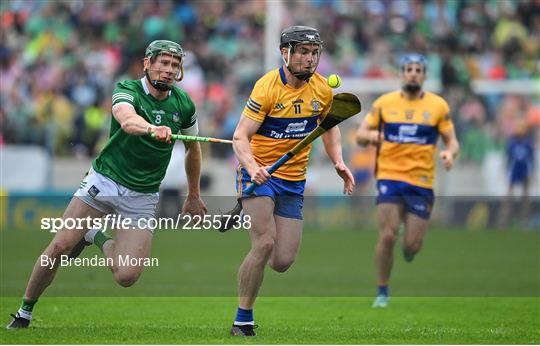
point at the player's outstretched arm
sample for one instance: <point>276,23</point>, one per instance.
<point>451,148</point>
<point>366,135</point>
<point>332,145</point>
<point>134,124</point>
<point>245,129</point>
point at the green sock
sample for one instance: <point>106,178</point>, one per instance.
<point>28,305</point>
<point>100,238</point>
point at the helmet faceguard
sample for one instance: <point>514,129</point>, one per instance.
<point>408,59</point>
<point>295,35</point>
<point>160,48</point>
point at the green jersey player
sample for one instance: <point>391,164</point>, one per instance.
<point>124,179</point>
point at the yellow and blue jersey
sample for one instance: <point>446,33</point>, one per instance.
<point>411,129</point>
<point>287,115</point>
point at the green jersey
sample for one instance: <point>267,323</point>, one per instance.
<point>140,162</point>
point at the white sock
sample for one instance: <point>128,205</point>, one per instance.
<point>236,323</point>
<point>89,236</point>
<point>25,314</point>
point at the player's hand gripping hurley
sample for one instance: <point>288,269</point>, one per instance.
<point>344,106</point>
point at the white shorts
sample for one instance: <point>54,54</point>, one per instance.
<point>109,197</point>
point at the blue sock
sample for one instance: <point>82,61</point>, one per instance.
<point>382,290</point>
<point>244,316</point>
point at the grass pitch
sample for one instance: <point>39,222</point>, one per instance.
<point>282,320</point>
<point>463,288</point>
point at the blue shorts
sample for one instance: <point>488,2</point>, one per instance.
<point>288,195</point>
<point>416,200</point>
<point>519,174</point>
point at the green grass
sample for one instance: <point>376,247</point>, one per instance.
<point>464,287</point>
<point>282,321</point>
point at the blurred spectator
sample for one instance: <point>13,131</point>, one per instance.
<point>59,60</point>
<point>520,168</point>
<point>476,140</point>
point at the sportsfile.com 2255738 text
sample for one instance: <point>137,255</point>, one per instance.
<point>113,221</point>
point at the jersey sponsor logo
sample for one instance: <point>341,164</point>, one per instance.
<point>279,106</point>
<point>176,117</point>
<point>297,101</point>
<point>410,133</point>
<point>296,127</point>
<point>407,130</point>
<point>426,115</point>
<point>281,135</point>
<point>407,134</point>
<point>284,128</point>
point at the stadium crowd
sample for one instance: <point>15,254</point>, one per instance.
<point>59,60</point>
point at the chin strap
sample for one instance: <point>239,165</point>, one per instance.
<point>300,75</point>
<point>158,84</point>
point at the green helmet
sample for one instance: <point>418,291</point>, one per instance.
<point>163,46</point>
